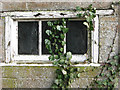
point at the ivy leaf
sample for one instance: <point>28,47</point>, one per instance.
<point>48,32</point>
<point>51,58</point>
<point>61,61</point>
<point>65,66</point>
<point>116,57</point>
<point>66,61</point>
<point>109,68</point>
<point>110,78</point>
<point>63,22</point>
<point>54,86</point>
<point>105,83</point>
<point>78,75</point>
<point>113,63</point>
<point>118,68</point>
<point>61,49</point>
<point>64,72</point>
<point>79,15</point>
<point>59,53</point>
<point>65,30</point>
<point>63,43</point>
<point>62,36</point>
<point>97,76</point>
<point>71,75</point>
<point>78,69</point>
<point>58,27</point>
<point>69,55</point>
<point>108,75</point>
<point>57,36</point>
<point>85,23</point>
<point>55,63</point>
<point>56,56</point>
<point>91,26</point>
<point>71,70</point>
<point>47,41</point>
<point>102,74</point>
<point>59,76</point>
<point>53,35</point>
<point>57,81</point>
<point>78,8</point>
<point>56,46</point>
<point>50,23</point>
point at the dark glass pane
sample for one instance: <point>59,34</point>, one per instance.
<point>28,38</point>
<point>76,37</point>
<point>44,36</point>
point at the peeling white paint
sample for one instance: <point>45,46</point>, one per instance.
<point>11,29</point>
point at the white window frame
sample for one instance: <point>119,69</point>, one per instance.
<point>11,34</point>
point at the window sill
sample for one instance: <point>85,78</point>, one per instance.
<point>78,65</point>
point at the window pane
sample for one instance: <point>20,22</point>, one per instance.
<point>28,38</point>
<point>76,37</point>
<point>44,36</point>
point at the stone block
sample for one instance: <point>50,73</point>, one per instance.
<point>93,73</point>
<point>28,72</point>
<point>65,5</point>
<point>79,83</point>
<point>34,82</point>
<point>108,33</point>
<point>109,18</point>
<point>10,6</point>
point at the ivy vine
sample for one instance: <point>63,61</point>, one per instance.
<point>108,77</point>
<point>66,72</point>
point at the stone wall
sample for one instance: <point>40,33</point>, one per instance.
<point>42,77</point>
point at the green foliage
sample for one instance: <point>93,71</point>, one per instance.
<point>55,45</point>
<point>110,72</point>
<point>89,15</point>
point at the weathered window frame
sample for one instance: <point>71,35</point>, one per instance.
<point>11,37</point>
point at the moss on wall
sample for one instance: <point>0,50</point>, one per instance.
<point>36,76</point>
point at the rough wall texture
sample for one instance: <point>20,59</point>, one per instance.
<point>42,77</point>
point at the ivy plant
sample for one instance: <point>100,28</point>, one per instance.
<point>66,72</point>
<point>108,77</point>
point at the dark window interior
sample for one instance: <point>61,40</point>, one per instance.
<point>28,38</point>
<point>76,37</point>
<point>44,36</point>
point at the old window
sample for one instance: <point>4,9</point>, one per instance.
<point>25,35</point>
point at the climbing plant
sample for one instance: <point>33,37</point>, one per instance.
<point>108,77</point>
<point>65,72</point>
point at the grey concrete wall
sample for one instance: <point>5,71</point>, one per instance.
<point>42,77</point>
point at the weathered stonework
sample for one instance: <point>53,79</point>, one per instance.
<point>11,6</point>
<point>43,77</point>
<point>108,37</point>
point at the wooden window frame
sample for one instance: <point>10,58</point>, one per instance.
<point>11,34</point>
